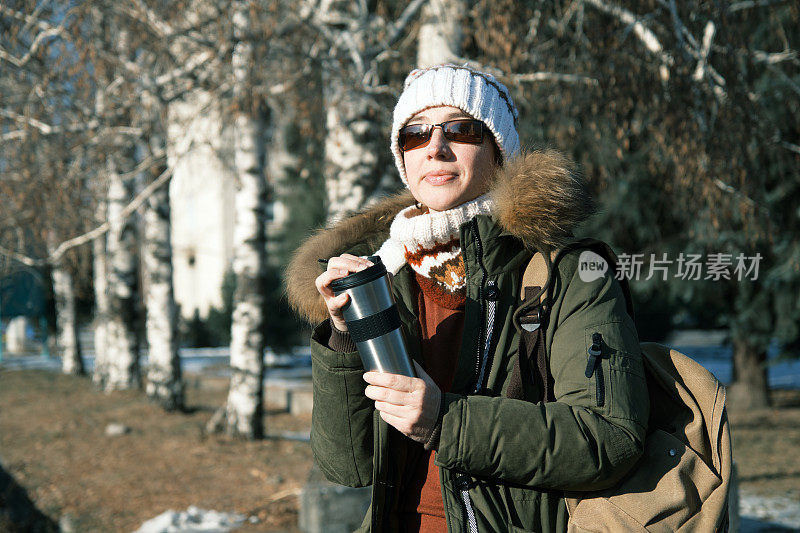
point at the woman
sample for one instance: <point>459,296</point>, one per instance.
<point>461,448</point>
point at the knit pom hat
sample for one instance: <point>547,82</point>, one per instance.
<point>476,93</point>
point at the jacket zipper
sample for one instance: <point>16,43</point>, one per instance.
<point>488,293</point>
<point>463,483</point>
<point>491,296</point>
<point>595,366</point>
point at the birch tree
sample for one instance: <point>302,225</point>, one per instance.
<point>121,342</point>
<point>441,34</point>
<point>100,321</point>
<point>66,321</point>
<point>164,379</point>
<point>243,413</point>
<point>355,171</point>
<point>101,100</point>
<point>42,188</point>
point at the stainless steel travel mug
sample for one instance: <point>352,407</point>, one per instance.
<point>373,320</point>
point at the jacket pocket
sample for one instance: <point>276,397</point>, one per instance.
<point>615,371</point>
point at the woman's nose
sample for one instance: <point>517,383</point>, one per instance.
<point>438,146</point>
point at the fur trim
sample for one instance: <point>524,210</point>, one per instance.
<point>369,226</point>
<point>539,198</point>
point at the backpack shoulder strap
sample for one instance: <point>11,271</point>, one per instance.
<point>535,297</point>
<point>535,276</point>
<point>531,363</point>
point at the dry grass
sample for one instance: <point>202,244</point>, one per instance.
<point>53,442</point>
<point>766,446</point>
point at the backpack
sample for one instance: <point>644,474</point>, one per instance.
<point>681,482</point>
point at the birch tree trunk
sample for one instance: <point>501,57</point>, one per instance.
<point>66,321</point>
<point>440,35</point>
<point>357,163</point>
<point>99,262</point>
<point>99,245</point>
<point>164,380</point>
<point>353,173</point>
<point>122,350</point>
<point>244,411</point>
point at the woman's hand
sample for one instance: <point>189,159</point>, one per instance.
<point>410,405</point>
<point>338,267</point>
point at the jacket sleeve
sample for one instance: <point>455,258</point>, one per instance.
<point>592,434</point>
<point>341,420</point>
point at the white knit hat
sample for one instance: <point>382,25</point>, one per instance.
<point>476,93</point>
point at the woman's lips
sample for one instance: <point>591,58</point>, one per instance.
<point>439,178</point>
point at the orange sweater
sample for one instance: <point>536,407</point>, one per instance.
<point>422,508</point>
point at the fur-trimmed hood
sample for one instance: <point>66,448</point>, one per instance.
<point>539,198</point>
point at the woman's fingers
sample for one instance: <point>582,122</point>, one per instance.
<point>400,411</point>
<point>338,267</point>
<point>336,303</point>
<point>399,423</point>
<point>349,262</point>
<point>386,395</point>
<point>324,280</point>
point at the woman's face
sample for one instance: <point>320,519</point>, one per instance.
<point>444,174</point>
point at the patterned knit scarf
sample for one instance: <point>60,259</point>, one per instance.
<point>429,243</point>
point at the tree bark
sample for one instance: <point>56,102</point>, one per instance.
<point>244,411</point>
<point>66,322</point>
<point>441,32</point>
<point>353,173</point>
<point>749,389</point>
<point>100,275</point>
<point>164,380</point>
<point>122,349</point>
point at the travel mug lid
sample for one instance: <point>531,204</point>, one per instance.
<point>376,271</point>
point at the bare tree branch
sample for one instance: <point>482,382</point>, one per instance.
<point>29,20</point>
<point>397,29</point>
<point>732,190</point>
<point>46,129</point>
<point>553,76</point>
<point>703,67</point>
<point>749,4</point>
<point>24,259</point>
<point>129,209</point>
<point>775,57</point>
<point>645,35</point>
<point>145,15</point>
<point>790,146</point>
<point>191,64</point>
<point>20,62</point>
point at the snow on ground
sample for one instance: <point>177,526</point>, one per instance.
<point>768,514</point>
<point>192,520</point>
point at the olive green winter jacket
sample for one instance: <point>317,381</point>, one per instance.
<point>504,463</point>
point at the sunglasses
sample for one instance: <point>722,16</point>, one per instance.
<point>462,130</point>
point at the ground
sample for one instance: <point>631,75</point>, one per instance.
<point>53,443</point>
<point>766,447</point>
